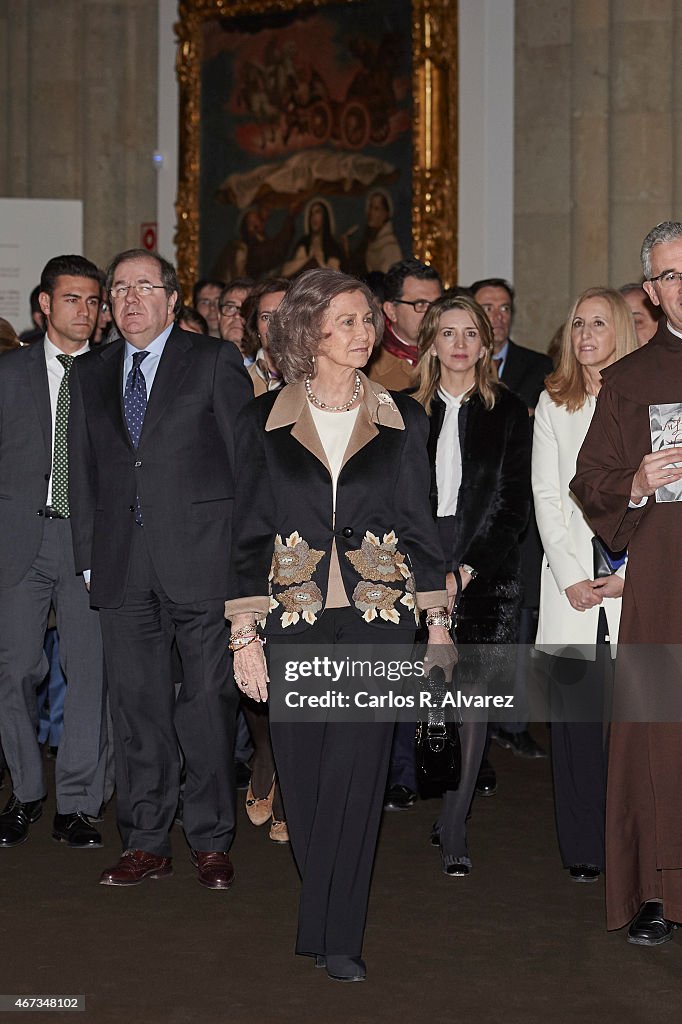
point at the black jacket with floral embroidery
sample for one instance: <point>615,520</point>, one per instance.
<point>386,541</point>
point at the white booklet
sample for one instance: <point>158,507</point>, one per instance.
<point>666,432</point>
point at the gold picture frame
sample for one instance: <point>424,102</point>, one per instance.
<point>434,124</point>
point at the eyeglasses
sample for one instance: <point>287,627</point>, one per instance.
<point>668,279</point>
<point>230,309</point>
<point>419,305</point>
<point>119,291</point>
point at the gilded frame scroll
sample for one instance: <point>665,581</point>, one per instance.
<point>434,124</point>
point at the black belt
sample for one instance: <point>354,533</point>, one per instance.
<point>52,513</point>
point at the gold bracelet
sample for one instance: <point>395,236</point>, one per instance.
<point>237,645</point>
<point>439,618</point>
<point>243,631</point>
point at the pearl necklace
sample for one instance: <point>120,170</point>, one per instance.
<point>312,397</point>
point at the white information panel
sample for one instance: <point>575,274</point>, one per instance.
<point>32,231</point>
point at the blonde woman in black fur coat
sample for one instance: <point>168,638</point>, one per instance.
<point>479,446</point>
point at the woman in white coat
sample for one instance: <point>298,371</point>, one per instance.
<point>579,615</point>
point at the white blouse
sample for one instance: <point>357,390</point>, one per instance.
<point>449,455</point>
<point>334,429</point>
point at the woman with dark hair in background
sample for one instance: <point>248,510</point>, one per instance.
<point>8,336</point>
<point>579,615</point>
<point>479,446</point>
<point>333,545</point>
<point>318,247</point>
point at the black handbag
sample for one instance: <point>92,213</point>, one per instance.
<point>438,746</point>
<point>605,561</point>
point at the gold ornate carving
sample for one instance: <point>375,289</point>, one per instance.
<point>434,136</point>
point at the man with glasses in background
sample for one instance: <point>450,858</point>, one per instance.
<point>409,289</point>
<point>152,476</point>
<point>231,321</point>
<point>206,300</point>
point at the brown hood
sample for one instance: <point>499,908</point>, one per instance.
<point>651,375</point>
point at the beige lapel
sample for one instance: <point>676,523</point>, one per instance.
<point>377,407</point>
<point>291,408</point>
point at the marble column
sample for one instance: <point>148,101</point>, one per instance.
<point>598,150</point>
<point>78,87</point>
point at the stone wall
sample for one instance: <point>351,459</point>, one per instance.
<point>598,150</point>
<point>78,111</point>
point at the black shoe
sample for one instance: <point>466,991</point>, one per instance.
<point>456,867</point>
<point>650,927</point>
<point>399,798</point>
<point>346,968</point>
<point>521,744</point>
<point>584,872</point>
<point>434,838</point>
<point>15,820</point>
<point>76,831</point>
<point>242,774</point>
<point>320,960</point>
<point>486,783</point>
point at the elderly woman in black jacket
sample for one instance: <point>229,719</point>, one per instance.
<point>479,447</point>
<point>333,545</point>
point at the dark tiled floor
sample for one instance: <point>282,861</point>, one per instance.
<point>516,942</point>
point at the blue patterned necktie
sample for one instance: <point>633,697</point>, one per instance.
<point>135,398</point>
<point>135,407</point>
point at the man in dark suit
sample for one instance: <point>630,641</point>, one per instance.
<point>523,371</point>
<point>37,569</point>
<point>152,431</point>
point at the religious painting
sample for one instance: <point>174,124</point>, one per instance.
<point>315,134</point>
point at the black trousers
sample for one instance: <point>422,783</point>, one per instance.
<point>333,777</point>
<point>150,724</point>
<point>579,752</point>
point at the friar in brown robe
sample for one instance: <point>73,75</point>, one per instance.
<point>644,799</point>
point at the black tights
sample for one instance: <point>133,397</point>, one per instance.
<point>263,761</point>
<point>452,821</point>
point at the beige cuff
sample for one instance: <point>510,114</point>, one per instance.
<point>431,599</point>
<point>259,606</point>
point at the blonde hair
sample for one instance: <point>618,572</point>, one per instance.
<point>428,367</point>
<point>566,385</point>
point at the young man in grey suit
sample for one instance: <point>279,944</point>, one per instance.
<point>37,569</point>
<point>152,467</point>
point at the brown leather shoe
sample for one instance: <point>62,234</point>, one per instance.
<point>214,869</point>
<point>136,865</point>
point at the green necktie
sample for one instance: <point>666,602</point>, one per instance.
<point>60,460</point>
